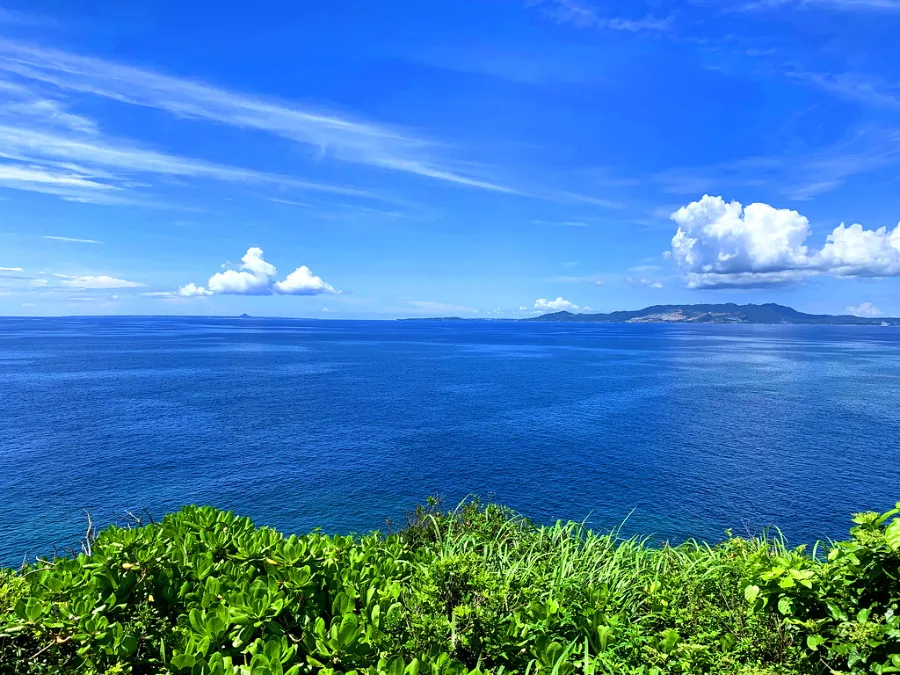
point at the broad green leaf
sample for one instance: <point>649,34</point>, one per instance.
<point>814,641</point>
<point>785,605</point>
<point>33,609</point>
<point>892,534</point>
<point>751,593</point>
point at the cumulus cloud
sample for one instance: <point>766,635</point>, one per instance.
<point>256,276</point>
<point>558,305</point>
<point>854,251</point>
<point>866,309</point>
<point>303,282</point>
<point>726,245</point>
<point>189,291</point>
<point>95,282</point>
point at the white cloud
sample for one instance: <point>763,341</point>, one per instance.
<point>80,167</point>
<point>720,238</point>
<point>256,276</point>
<point>252,278</point>
<point>189,291</point>
<point>798,176</point>
<point>95,282</point>
<point>854,251</point>
<point>303,282</point>
<point>853,86</point>
<point>562,223</point>
<point>332,135</point>
<point>586,279</point>
<point>643,281</point>
<point>47,180</point>
<point>11,269</point>
<point>721,244</point>
<point>49,148</point>
<point>52,113</point>
<point>836,4</point>
<point>72,239</point>
<point>864,309</point>
<point>584,15</point>
<point>558,305</point>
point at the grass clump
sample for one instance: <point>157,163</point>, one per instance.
<point>470,591</point>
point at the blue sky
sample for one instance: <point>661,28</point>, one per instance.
<point>354,159</point>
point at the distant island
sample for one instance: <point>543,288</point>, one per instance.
<point>719,313</point>
<point>722,313</point>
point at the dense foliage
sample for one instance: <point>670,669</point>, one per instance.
<point>474,590</point>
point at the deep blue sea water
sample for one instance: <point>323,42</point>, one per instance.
<point>341,424</point>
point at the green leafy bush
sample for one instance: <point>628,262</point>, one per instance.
<point>846,608</point>
<point>470,591</point>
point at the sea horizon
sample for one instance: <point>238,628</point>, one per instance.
<point>342,423</point>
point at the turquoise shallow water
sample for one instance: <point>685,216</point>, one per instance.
<point>342,424</point>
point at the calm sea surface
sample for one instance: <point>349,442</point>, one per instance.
<point>341,424</point>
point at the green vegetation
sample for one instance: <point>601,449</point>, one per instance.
<point>474,590</point>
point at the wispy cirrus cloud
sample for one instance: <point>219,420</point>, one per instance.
<point>800,177</point>
<point>846,5</point>
<point>71,239</point>
<point>584,15</point>
<point>561,223</point>
<point>329,134</point>
<point>51,112</point>
<point>595,279</point>
<point>84,168</point>
<point>95,282</point>
<point>47,146</point>
<point>853,86</point>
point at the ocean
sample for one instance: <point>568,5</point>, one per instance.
<point>671,431</point>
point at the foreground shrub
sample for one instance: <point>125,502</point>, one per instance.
<point>847,609</point>
<point>474,590</point>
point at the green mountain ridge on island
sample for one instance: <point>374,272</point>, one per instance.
<point>719,313</point>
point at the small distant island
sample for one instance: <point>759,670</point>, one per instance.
<point>729,312</point>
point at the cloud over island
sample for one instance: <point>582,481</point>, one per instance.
<point>727,245</point>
